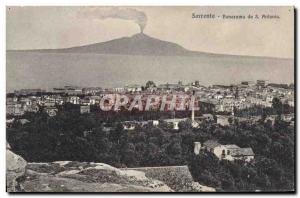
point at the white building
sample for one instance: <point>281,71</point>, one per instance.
<point>74,99</point>
<point>133,88</point>
<point>229,152</point>
<point>129,126</point>
<point>175,122</point>
<point>155,122</point>
<point>85,109</point>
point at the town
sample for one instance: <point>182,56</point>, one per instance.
<point>246,127</point>
<point>224,101</point>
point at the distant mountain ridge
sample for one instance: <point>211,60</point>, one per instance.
<point>138,44</point>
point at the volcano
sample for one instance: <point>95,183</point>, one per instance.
<point>135,60</point>
<point>138,44</point>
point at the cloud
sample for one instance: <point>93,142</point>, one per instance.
<point>101,13</point>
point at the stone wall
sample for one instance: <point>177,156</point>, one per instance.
<point>178,178</point>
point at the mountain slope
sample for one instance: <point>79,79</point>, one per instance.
<point>138,44</point>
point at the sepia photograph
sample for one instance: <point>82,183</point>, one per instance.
<point>138,99</point>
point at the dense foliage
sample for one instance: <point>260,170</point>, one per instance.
<point>89,137</point>
<point>272,169</point>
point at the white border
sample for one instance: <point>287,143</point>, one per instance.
<point>113,2</point>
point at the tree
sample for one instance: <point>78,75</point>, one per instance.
<point>263,117</point>
<point>150,84</point>
<point>185,125</point>
<point>277,106</point>
<point>230,120</point>
<point>128,155</point>
<point>115,135</point>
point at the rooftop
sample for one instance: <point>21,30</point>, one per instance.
<point>242,152</point>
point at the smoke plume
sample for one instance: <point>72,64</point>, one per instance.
<point>101,13</point>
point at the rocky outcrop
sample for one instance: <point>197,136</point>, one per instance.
<point>15,169</point>
<point>69,176</point>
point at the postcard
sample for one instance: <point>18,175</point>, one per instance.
<point>150,99</point>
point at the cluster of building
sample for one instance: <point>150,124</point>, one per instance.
<point>224,98</point>
<point>246,95</point>
<point>32,100</point>
<point>228,152</point>
<point>212,99</point>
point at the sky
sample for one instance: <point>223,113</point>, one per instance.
<point>62,27</point>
